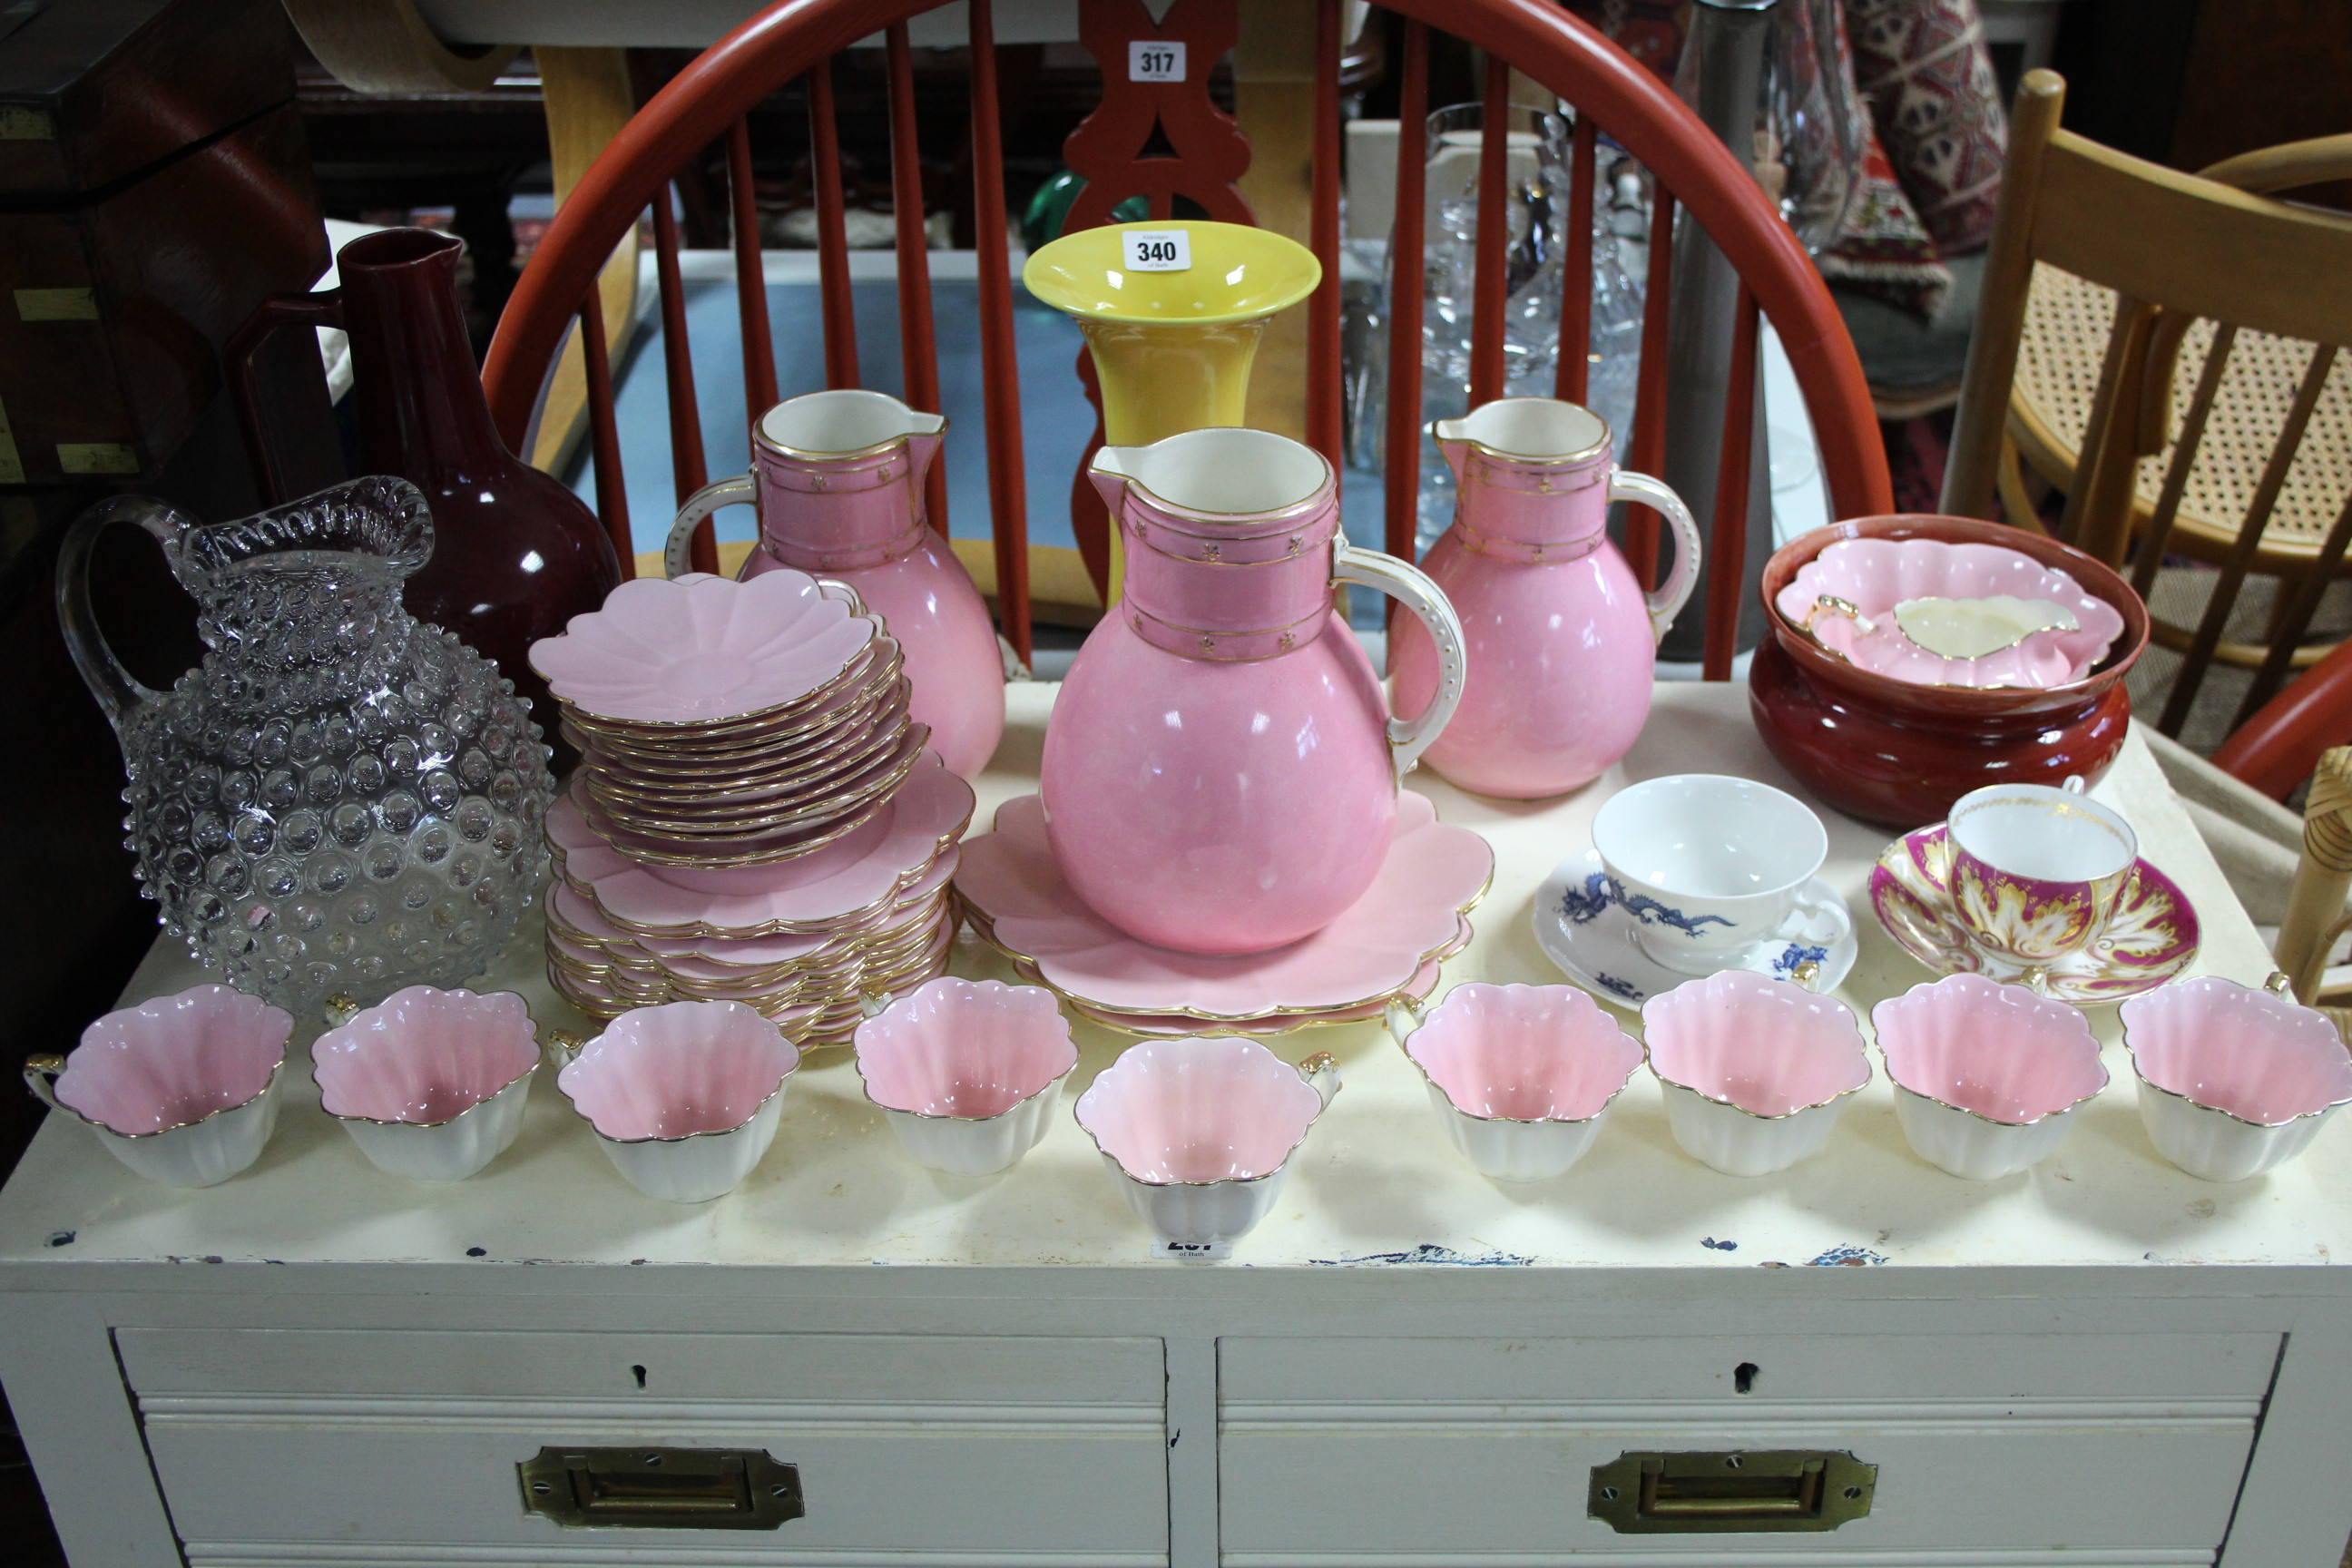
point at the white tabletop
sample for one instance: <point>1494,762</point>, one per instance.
<point>1377,1179</point>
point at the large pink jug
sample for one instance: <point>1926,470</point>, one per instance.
<point>1559,641</point>
<point>838,479</point>
<point>1221,769</point>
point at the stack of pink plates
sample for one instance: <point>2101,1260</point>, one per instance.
<point>1389,945</point>
<point>724,723</point>
<point>754,818</point>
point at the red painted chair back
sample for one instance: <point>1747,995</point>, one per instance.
<point>797,38</point>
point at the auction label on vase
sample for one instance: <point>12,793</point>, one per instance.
<point>1200,1250</point>
<point>1150,59</point>
<point>1159,250</point>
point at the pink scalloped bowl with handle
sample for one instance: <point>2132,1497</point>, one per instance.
<point>424,1055</point>
<point>1763,1045</point>
<point>698,649</point>
<point>2262,1059</point>
<point>174,1060</point>
<point>1199,1108</point>
<point>1528,1053</point>
<point>1996,1051</point>
<point>1875,575</point>
<point>677,1070</point>
<point>964,1048</point>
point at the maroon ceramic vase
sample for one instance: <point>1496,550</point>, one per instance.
<point>1898,754</point>
<point>516,554</point>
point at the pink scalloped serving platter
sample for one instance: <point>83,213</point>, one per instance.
<point>1413,909</point>
<point>1876,575</point>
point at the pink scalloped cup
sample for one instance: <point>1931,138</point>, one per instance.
<point>1753,1070</point>
<point>430,1084</point>
<point>1199,1131</point>
<point>182,1089</point>
<point>1876,575</point>
<point>699,650</point>
<point>967,1072</point>
<point>1521,1074</point>
<point>685,1097</point>
<point>2232,1082</point>
<point>1986,1077</point>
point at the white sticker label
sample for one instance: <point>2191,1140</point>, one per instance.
<point>1159,250</point>
<point>1209,1250</point>
<point>1151,61</point>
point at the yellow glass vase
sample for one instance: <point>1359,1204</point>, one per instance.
<point>1171,347</point>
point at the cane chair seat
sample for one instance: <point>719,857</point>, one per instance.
<point>2067,319</point>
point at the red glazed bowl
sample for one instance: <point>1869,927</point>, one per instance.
<point>1899,754</point>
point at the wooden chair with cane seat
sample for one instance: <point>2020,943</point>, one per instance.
<point>794,39</point>
<point>2066,319</point>
<point>2224,304</point>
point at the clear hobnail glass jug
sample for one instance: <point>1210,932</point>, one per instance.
<point>339,799</point>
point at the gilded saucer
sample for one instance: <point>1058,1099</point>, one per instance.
<point>2151,936</point>
<point>1590,935</point>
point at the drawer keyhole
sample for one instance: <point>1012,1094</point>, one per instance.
<point>639,1373</point>
<point>1743,1378</point>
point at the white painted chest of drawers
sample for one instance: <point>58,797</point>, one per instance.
<point>2100,1363</point>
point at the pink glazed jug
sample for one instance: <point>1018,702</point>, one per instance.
<point>838,480</point>
<point>1221,770</point>
<point>1561,642</point>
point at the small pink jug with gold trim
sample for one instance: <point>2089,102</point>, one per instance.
<point>838,478</point>
<point>1559,642</point>
<point>1221,770</point>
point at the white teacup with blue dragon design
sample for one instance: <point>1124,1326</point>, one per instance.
<point>1709,866</point>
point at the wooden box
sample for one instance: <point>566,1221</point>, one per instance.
<point>93,93</point>
<point>147,205</point>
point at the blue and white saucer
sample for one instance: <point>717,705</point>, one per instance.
<point>1586,926</point>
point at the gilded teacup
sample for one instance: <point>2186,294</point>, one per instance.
<point>2036,871</point>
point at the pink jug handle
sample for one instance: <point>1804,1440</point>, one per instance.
<point>1408,738</point>
<point>1672,593</point>
<point>677,558</point>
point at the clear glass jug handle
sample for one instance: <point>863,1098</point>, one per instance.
<point>1408,738</point>
<point>1672,594</point>
<point>118,694</point>
<point>678,556</point>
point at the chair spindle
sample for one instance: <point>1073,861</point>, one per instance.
<point>1401,455</point>
<point>688,472</point>
<point>1727,537</point>
<point>1647,452</point>
<point>1324,422</point>
<point>2184,457</point>
<point>2199,656</point>
<point>751,275</point>
<point>1000,370</point>
<point>1572,377</point>
<point>1490,290</point>
<point>919,355</point>
<point>603,435</point>
<point>832,233</point>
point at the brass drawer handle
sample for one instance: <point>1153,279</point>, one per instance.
<point>661,1488</point>
<point>1689,1493</point>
